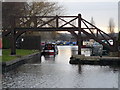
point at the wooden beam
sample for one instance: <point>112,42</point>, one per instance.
<point>68,22</point>
<point>79,34</point>
<point>47,29</point>
<point>13,41</point>
<point>47,22</point>
<point>13,46</point>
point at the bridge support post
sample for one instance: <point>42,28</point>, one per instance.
<point>79,34</point>
<point>13,45</point>
<point>13,40</point>
<point>57,21</point>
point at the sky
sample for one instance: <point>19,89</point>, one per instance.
<point>100,10</point>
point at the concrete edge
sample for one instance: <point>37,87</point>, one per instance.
<point>22,58</point>
<point>7,66</point>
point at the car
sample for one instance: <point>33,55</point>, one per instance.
<point>60,43</point>
<point>50,49</point>
<point>74,43</point>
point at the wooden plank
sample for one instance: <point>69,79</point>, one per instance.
<point>47,29</point>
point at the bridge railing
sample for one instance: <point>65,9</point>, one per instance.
<point>46,21</point>
<point>98,33</point>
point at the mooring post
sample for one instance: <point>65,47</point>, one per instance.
<point>13,45</point>
<point>79,34</point>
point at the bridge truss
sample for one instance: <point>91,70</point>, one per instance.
<point>76,25</point>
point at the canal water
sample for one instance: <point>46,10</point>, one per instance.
<point>56,72</point>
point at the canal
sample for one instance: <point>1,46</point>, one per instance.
<point>56,72</point>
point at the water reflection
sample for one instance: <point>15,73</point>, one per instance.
<point>84,51</point>
<point>74,50</point>
<point>49,57</point>
<point>79,69</point>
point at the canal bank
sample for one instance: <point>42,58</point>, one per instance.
<point>94,60</point>
<point>10,65</point>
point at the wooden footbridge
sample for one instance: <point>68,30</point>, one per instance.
<point>22,24</point>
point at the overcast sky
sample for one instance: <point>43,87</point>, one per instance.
<point>100,11</point>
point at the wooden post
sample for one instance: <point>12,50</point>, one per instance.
<point>57,25</point>
<point>13,47</point>
<point>79,34</point>
<point>13,41</point>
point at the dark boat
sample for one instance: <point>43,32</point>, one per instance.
<point>50,49</point>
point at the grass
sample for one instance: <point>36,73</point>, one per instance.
<point>19,53</point>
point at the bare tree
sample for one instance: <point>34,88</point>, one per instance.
<point>111,27</point>
<point>45,9</point>
<point>42,8</point>
<point>10,9</point>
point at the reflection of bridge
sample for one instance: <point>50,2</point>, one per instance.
<point>58,23</point>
